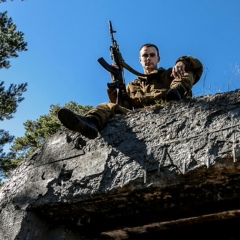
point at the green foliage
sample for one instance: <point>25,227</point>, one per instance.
<point>5,137</point>
<point>9,100</point>
<point>38,131</point>
<point>8,163</point>
<point>10,0</point>
<point>11,40</point>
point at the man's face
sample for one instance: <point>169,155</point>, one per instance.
<point>149,59</point>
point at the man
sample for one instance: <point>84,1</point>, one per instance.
<point>172,84</point>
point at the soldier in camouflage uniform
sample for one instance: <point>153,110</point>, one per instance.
<point>171,84</point>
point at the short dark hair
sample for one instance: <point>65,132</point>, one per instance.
<point>149,45</point>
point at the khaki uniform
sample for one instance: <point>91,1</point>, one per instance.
<point>145,91</point>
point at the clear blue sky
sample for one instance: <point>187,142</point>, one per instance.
<point>65,39</point>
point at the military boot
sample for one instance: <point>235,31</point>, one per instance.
<point>77,123</point>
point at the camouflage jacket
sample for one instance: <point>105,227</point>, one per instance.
<point>145,91</point>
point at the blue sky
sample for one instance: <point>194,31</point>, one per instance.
<point>65,39</point>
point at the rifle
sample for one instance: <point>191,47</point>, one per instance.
<point>116,56</point>
<point>119,81</point>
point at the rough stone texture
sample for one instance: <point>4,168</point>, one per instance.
<point>158,172</point>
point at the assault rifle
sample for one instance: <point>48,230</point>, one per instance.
<point>118,78</point>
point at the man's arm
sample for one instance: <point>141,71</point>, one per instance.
<point>191,64</point>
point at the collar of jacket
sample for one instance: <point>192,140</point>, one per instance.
<point>154,72</point>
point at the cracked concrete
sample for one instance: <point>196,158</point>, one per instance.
<point>160,166</point>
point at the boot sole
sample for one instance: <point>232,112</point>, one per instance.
<point>74,123</point>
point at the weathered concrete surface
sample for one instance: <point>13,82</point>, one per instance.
<point>172,167</point>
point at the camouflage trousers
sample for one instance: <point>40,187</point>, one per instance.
<point>105,111</point>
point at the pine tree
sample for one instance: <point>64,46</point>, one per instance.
<point>11,42</point>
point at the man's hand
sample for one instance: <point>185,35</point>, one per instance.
<point>112,76</point>
<point>178,70</point>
